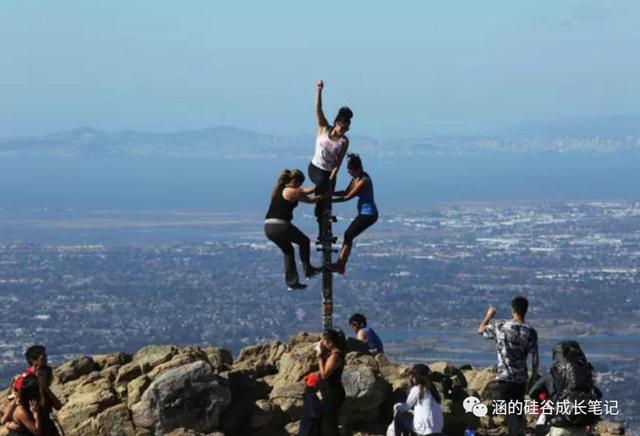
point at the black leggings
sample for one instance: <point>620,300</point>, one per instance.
<point>357,226</point>
<point>320,178</point>
<point>284,235</point>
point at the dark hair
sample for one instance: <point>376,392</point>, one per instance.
<point>520,305</point>
<point>336,337</point>
<point>34,352</point>
<point>359,319</point>
<point>344,116</point>
<point>48,372</point>
<point>285,177</point>
<point>420,375</point>
<point>354,162</point>
<point>30,390</point>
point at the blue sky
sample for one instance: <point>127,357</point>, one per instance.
<point>408,69</point>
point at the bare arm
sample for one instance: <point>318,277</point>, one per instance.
<point>343,153</point>
<point>9,408</point>
<point>323,124</point>
<point>491,312</point>
<point>299,194</point>
<point>329,366</point>
<point>362,336</point>
<point>32,424</point>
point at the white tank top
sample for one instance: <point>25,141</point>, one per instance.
<point>327,152</point>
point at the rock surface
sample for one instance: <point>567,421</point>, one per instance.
<point>191,391</point>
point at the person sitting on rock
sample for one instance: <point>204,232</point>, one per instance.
<point>279,229</point>
<point>25,419</point>
<point>515,340</point>
<point>48,401</point>
<point>420,414</point>
<point>330,353</point>
<point>311,418</point>
<point>358,324</point>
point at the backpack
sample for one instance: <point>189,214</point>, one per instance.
<point>573,382</point>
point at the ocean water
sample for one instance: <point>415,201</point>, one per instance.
<point>224,185</point>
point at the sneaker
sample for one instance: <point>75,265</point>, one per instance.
<point>296,287</point>
<point>313,271</point>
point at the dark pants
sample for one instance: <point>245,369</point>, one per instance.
<point>283,234</point>
<point>513,392</point>
<point>357,226</point>
<point>332,399</point>
<point>320,178</point>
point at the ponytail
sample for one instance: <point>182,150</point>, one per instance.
<point>354,162</point>
<point>285,177</point>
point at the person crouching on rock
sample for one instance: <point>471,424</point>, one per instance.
<point>420,414</point>
<point>311,419</point>
<point>330,354</point>
<point>278,228</point>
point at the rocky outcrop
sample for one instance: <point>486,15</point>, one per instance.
<point>192,391</point>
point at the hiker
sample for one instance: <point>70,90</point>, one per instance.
<point>330,354</point>
<point>25,419</point>
<point>311,415</point>
<point>358,324</point>
<point>279,229</point>
<point>48,401</point>
<point>420,414</point>
<point>36,356</point>
<point>331,148</point>
<point>570,379</point>
<point>362,187</point>
<point>515,339</point>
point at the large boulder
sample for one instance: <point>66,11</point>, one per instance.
<point>260,360</point>
<point>366,390</point>
<point>85,403</point>
<point>190,396</point>
<point>75,369</point>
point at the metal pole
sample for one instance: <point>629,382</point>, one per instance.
<point>326,239</point>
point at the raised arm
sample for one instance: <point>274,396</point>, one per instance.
<point>323,124</point>
<point>491,312</point>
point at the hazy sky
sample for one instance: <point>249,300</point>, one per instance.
<point>407,69</point>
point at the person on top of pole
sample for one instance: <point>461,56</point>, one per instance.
<point>331,148</point>
<point>361,186</point>
<point>278,228</point>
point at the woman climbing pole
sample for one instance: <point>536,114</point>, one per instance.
<point>331,148</point>
<point>278,228</point>
<point>361,186</point>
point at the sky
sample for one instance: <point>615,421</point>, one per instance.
<point>407,69</point>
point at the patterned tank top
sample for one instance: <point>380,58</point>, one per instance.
<point>327,151</point>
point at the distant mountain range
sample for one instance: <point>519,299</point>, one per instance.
<point>606,134</point>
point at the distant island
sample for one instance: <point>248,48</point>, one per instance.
<point>599,135</point>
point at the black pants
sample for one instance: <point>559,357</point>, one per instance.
<point>320,178</point>
<point>513,392</point>
<point>332,400</point>
<point>357,226</point>
<point>283,234</point>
